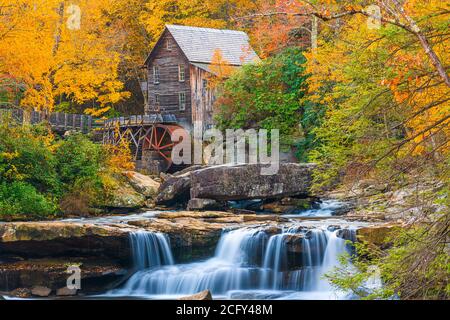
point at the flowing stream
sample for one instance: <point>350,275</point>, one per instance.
<point>150,249</point>
<point>249,263</point>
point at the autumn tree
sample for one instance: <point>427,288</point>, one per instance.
<point>63,53</point>
<point>380,71</point>
<point>272,33</point>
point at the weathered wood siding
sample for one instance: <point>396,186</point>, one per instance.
<point>202,97</point>
<point>169,85</point>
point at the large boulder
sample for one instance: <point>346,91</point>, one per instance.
<point>142,183</point>
<point>240,182</point>
<point>174,190</point>
<point>124,199</point>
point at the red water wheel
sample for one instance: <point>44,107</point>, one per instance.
<point>158,145</point>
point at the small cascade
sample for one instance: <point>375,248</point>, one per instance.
<point>327,208</point>
<point>246,260</point>
<point>150,249</point>
<point>242,246</point>
<point>227,270</point>
<point>275,262</point>
<point>315,244</point>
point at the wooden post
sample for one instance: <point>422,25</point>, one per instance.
<point>82,123</point>
<point>89,123</point>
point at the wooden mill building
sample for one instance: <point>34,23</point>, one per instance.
<point>181,70</point>
<point>180,67</point>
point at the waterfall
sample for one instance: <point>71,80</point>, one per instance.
<point>246,260</point>
<point>315,244</point>
<point>327,208</point>
<point>275,261</point>
<point>229,269</point>
<point>242,246</point>
<point>150,249</point>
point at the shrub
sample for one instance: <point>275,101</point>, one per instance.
<point>41,175</point>
<point>79,160</point>
<point>25,155</point>
<point>19,200</point>
<point>267,95</point>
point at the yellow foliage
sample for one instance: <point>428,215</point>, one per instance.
<point>39,47</point>
<point>389,60</point>
<point>120,157</point>
<point>200,13</point>
<point>220,68</point>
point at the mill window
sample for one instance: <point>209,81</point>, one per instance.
<point>182,101</point>
<point>156,75</point>
<point>204,87</point>
<point>181,73</point>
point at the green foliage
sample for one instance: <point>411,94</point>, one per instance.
<point>25,156</point>
<point>313,114</point>
<point>41,176</point>
<point>417,266</point>
<point>79,166</point>
<point>267,95</point>
<point>17,198</point>
<point>78,160</point>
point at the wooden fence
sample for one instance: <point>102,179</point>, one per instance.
<point>58,121</point>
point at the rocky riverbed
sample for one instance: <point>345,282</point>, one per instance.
<point>34,256</point>
<point>38,253</point>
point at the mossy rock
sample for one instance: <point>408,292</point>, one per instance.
<point>379,235</point>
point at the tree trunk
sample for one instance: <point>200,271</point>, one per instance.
<point>60,12</point>
<point>314,32</point>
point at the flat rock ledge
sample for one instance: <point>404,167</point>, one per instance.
<point>51,273</point>
<point>55,239</point>
<point>186,229</point>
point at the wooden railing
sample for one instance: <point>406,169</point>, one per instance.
<point>58,121</point>
<point>65,121</point>
<point>139,120</point>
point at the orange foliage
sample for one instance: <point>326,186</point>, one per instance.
<point>120,156</point>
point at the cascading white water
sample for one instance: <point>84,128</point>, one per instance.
<point>275,261</point>
<point>150,249</point>
<point>220,274</point>
<point>326,209</point>
<point>246,260</point>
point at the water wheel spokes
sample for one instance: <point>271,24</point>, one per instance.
<point>160,142</point>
